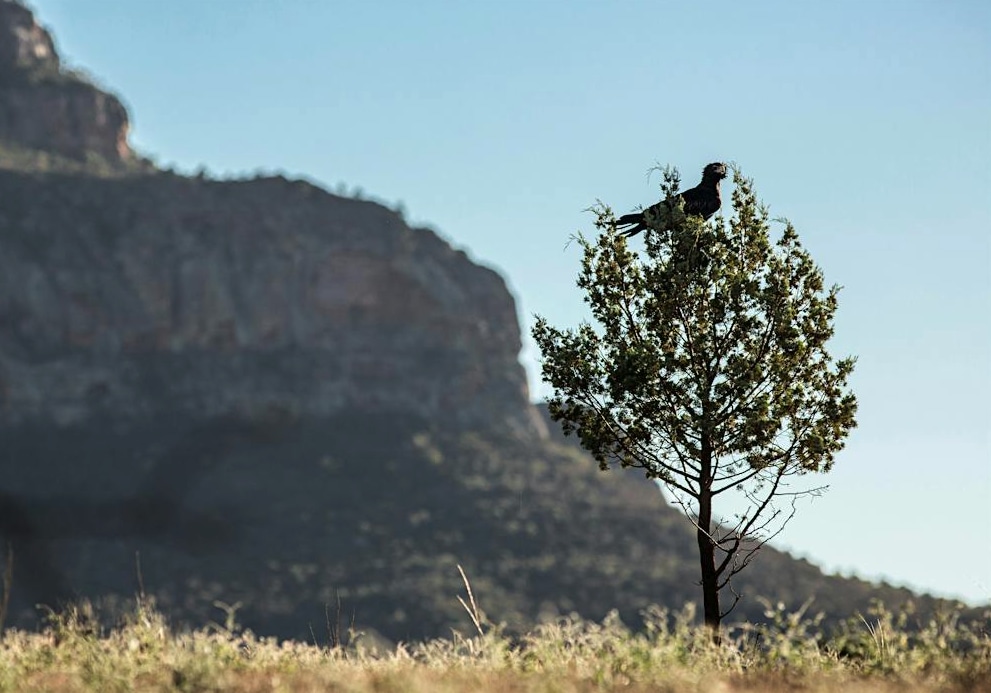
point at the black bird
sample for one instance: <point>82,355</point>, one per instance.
<point>702,200</point>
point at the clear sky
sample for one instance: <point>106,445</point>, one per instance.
<point>868,124</point>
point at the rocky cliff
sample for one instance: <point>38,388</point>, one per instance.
<point>47,108</point>
<point>136,297</point>
<point>139,296</point>
<point>155,329</point>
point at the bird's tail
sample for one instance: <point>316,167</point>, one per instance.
<point>633,224</point>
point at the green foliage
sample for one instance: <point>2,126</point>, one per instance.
<point>16,157</point>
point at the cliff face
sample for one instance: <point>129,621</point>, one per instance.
<point>47,108</point>
<point>136,297</point>
<point>171,345</point>
<point>147,295</point>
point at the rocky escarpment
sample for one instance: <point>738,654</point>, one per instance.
<point>199,369</point>
<point>45,107</point>
<point>138,297</point>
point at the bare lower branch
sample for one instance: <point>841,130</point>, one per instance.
<point>736,599</point>
<point>743,559</point>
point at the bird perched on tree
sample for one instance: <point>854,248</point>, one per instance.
<point>702,200</point>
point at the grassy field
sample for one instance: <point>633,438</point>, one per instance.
<point>879,651</point>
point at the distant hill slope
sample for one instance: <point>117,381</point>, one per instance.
<point>276,396</point>
<point>286,514</point>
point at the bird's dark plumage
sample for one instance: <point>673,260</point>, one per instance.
<point>702,200</point>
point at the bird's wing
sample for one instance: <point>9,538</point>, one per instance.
<point>694,201</point>
<point>701,201</point>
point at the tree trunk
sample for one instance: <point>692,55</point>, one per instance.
<point>707,548</point>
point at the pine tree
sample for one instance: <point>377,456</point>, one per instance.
<point>707,367</point>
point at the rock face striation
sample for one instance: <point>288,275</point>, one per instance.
<point>43,106</point>
<point>140,297</point>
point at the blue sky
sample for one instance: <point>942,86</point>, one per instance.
<point>868,124</point>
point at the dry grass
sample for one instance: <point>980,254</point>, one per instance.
<point>141,653</point>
